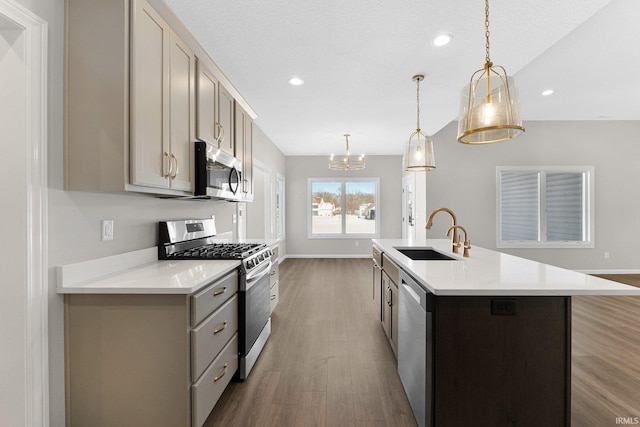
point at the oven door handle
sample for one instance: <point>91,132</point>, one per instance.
<point>254,276</point>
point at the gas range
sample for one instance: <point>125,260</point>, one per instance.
<point>195,239</point>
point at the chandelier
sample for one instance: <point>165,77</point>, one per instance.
<point>489,105</point>
<point>347,163</point>
<point>418,155</point>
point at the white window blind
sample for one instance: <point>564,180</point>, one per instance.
<point>565,206</point>
<point>520,205</point>
<point>545,206</point>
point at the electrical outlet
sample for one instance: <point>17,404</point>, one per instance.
<point>357,243</point>
<point>503,307</point>
<point>606,254</point>
<point>107,229</point>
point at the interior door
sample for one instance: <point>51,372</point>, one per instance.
<point>408,207</point>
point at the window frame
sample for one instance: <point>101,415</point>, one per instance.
<point>541,243</point>
<point>343,234</point>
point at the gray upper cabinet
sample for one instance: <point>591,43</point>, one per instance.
<point>162,103</point>
<point>208,120</point>
<point>130,99</point>
<point>215,111</point>
<point>244,150</point>
<point>226,103</point>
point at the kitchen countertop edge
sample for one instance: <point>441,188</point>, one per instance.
<point>492,273</point>
<point>137,273</point>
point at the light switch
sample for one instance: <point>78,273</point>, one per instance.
<point>107,229</point>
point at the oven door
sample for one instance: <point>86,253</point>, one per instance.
<point>217,173</point>
<point>255,306</point>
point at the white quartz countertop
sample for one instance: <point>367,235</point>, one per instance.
<point>486,273</point>
<point>140,272</point>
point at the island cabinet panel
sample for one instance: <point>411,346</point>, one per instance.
<point>502,361</point>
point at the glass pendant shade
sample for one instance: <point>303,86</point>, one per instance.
<point>418,155</point>
<point>489,108</point>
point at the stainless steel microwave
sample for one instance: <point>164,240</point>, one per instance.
<point>218,174</point>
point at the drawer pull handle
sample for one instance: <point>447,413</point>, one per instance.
<point>224,326</point>
<point>273,272</point>
<point>216,293</point>
<point>215,380</point>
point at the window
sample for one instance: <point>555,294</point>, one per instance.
<point>545,207</point>
<point>343,208</point>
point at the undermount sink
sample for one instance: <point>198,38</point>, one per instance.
<point>424,254</point>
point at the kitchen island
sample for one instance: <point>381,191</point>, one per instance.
<point>486,340</point>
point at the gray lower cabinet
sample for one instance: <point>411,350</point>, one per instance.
<point>274,282</point>
<point>149,360</point>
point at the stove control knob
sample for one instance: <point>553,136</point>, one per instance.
<point>249,264</point>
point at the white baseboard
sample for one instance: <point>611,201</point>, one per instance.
<point>619,271</point>
<point>324,256</point>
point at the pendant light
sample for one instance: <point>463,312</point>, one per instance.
<point>418,155</point>
<point>489,106</point>
<point>347,164</point>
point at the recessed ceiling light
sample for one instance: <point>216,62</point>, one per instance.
<point>296,81</point>
<point>441,40</point>
<point>547,92</point>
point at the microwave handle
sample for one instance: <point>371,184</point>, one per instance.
<point>233,188</point>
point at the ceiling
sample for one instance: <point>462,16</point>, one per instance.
<point>357,58</point>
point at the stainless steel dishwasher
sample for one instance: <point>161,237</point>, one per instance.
<point>415,347</point>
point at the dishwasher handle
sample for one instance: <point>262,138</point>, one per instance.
<point>417,292</point>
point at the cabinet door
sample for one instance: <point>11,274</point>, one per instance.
<point>247,161</point>
<point>386,307</point>
<point>150,151</point>
<point>377,291</point>
<point>393,307</point>
<point>207,99</point>
<point>225,114</point>
<point>182,113</point>
<point>244,149</point>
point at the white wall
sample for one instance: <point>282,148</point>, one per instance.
<point>299,168</point>
<point>273,159</point>
<point>465,180</point>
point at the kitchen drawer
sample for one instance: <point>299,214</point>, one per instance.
<point>275,295</point>
<point>274,272</point>
<point>377,255</point>
<point>391,269</point>
<point>210,336</point>
<point>207,390</point>
<point>274,253</point>
<point>206,301</point>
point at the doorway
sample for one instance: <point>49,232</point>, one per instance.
<point>23,261</point>
<point>408,207</point>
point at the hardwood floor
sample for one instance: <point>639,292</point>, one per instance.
<point>606,358</point>
<point>327,362</point>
